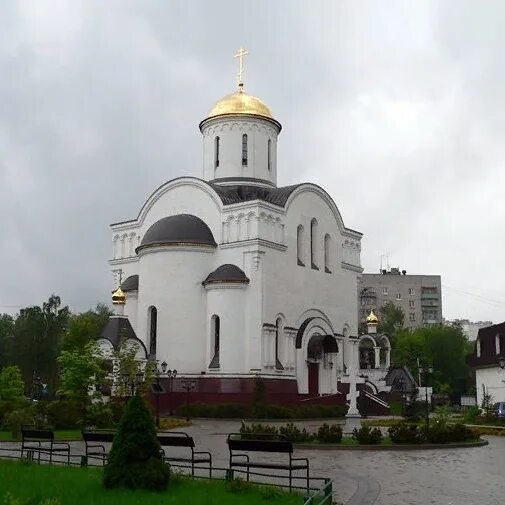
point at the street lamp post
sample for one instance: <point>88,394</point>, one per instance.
<point>401,387</point>
<point>171,374</point>
<point>426,372</point>
<point>132,381</point>
<point>188,385</point>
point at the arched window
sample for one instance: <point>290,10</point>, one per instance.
<point>244,150</point>
<point>299,245</point>
<point>216,152</point>
<point>269,155</point>
<point>215,327</point>
<point>313,244</point>
<point>327,252</point>
<point>153,330</point>
<point>278,337</point>
<point>479,348</point>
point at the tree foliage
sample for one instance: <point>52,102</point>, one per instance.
<point>391,320</point>
<point>85,327</point>
<point>11,384</point>
<point>6,331</point>
<point>135,460</point>
<point>445,347</point>
<point>81,370</point>
<point>130,371</point>
<point>36,336</point>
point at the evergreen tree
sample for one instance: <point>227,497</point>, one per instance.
<point>135,459</point>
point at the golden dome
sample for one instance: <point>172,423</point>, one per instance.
<point>372,318</point>
<point>118,297</point>
<point>240,103</point>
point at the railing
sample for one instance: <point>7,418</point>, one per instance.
<point>318,490</point>
<point>323,496</point>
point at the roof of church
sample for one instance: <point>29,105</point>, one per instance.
<point>130,283</point>
<point>119,329</point>
<point>244,193</point>
<point>178,229</point>
<point>226,273</point>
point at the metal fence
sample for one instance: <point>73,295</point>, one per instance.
<point>318,490</point>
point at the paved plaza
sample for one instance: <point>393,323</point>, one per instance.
<point>473,476</point>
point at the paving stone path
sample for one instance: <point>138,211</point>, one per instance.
<point>472,476</point>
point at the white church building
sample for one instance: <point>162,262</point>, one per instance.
<point>229,277</point>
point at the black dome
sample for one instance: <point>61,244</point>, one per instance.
<point>226,273</point>
<point>130,283</point>
<point>179,229</point>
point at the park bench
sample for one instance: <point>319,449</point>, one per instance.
<point>42,441</point>
<point>93,448</point>
<point>269,443</point>
<point>181,439</point>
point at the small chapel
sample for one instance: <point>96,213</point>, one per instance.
<point>229,277</point>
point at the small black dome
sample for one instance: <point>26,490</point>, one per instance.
<point>179,229</point>
<point>226,273</point>
<point>130,283</point>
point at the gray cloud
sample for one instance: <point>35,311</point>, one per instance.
<point>396,108</point>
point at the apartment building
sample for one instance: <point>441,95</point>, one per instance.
<point>419,296</point>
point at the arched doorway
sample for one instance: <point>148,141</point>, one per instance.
<point>319,351</point>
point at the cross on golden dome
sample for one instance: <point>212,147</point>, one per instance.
<point>240,74</point>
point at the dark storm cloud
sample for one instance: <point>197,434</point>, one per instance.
<point>396,108</point>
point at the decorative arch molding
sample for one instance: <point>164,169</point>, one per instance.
<point>310,325</point>
<point>384,339</point>
<point>138,345</point>
<point>362,338</point>
<point>374,389</point>
<point>314,188</point>
<point>164,188</point>
<point>313,313</point>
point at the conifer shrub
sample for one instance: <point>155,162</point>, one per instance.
<point>295,434</point>
<point>406,433</point>
<point>367,435</point>
<point>135,460</point>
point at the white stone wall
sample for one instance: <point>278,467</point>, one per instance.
<point>494,380</point>
<point>227,301</point>
<point>230,130</point>
<point>170,279</point>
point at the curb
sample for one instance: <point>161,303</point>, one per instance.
<point>397,447</point>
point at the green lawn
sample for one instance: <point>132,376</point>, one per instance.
<point>23,483</point>
<point>59,435</point>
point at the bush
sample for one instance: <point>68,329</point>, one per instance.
<point>367,435</point>
<point>99,415</point>
<point>329,434</point>
<point>440,433</point>
<point>7,406</point>
<point>218,411</point>
<point>63,414</point>
<point>472,414</point>
<point>262,411</point>
<point>135,460</point>
<point>295,434</point>
<point>254,431</point>
<point>16,419</point>
<point>406,433</point>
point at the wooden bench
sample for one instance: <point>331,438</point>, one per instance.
<point>181,439</point>
<point>33,440</point>
<point>264,443</point>
<point>94,449</point>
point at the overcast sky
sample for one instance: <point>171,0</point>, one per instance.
<point>396,108</point>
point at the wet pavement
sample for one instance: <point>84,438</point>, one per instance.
<point>469,476</point>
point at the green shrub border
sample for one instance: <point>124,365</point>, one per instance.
<point>391,447</point>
